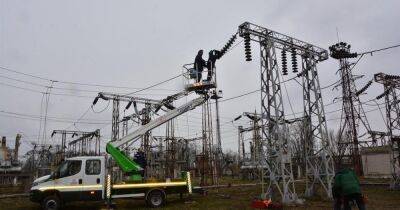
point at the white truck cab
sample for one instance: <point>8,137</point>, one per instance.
<point>76,179</point>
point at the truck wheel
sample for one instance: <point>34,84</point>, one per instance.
<point>51,202</point>
<point>155,198</point>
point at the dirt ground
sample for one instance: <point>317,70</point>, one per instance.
<point>379,198</point>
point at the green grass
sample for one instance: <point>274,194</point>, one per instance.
<point>380,198</point>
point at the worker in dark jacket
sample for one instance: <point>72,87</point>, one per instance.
<point>199,64</point>
<point>213,55</point>
<point>347,186</point>
<point>140,159</point>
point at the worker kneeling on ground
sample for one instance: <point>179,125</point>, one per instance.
<point>347,188</point>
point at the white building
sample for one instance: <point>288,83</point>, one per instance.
<point>376,162</point>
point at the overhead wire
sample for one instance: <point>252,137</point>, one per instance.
<point>381,49</point>
<point>52,120</point>
<point>74,83</point>
<point>371,52</point>
<point>69,89</point>
<point>26,74</point>
<point>51,117</point>
<point>157,84</point>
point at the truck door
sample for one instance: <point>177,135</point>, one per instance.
<point>69,179</point>
<point>93,179</point>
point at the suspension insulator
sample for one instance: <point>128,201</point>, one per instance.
<point>284,62</point>
<point>294,61</point>
<point>364,88</point>
<point>383,94</point>
<point>227,45</point>
<point>392,76</point>
<point>247,46</point>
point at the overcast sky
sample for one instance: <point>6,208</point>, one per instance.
<point>139,43</point>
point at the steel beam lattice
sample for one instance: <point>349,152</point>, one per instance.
<point>391,84</point>
<point>352,109</point>
<point>115,120</point>
<point>276,152</point>
<point>318,159</point>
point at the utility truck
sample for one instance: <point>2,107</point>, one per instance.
<point>88,178</point>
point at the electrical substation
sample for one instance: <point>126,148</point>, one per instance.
<point>170,150</point>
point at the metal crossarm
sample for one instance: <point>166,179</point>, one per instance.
<point>391,84</point>
<point>282,41</point>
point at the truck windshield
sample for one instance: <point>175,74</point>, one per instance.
<point>69,168</point>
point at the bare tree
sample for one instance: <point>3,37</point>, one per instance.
<point>338,149</point>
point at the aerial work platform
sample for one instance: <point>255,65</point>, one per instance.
<point>197,81</point>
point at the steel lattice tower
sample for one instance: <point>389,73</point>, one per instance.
<point>251,163</point>
<point>352,109</point>
<point>241,152</point>
<point>209,169</point>
<point>115,120</point>
<point>170,149</point>
<point>391,84</point>
<point>319,162</point>
<point>276,152</point>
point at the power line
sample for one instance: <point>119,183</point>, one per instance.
<point>68,89</point>
<point>22,88</point>
<point>238,96</point>
<point>50,117</point>
<point>58,94</point>
<point>26,74</point>
<point>56,119</point>
<point>370,52</point>
<point>378,50</point>
<point>52,120</point>
<point>151,86</point>
<point>283,82</point>
<point>76,83</point>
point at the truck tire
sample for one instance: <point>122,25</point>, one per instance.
<point>51,202</point>
<point>155,198</point>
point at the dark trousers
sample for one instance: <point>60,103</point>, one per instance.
<point>199,75</point>
<point>337,203</point>
<point>357,197</point>
<point>210,73</point>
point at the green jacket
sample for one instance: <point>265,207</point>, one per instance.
<point>346,183</point>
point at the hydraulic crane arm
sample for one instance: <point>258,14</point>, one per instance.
<point>159,121</point>
<point>130,166</point>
